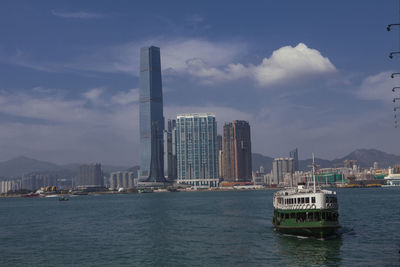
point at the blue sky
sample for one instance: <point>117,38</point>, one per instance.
<point>308,74</point>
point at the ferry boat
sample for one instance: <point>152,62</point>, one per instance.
<point>393,179</point>
<point>304,211</point>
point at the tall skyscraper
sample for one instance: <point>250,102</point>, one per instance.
<point>170,151</point>
<point>151,116</point>
<point>295,155</point>
<point>90,176</point>
<point>197,152</point>
<point>220,157</point>
<point>237,152</point>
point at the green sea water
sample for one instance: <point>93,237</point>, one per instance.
<point>192,229</point>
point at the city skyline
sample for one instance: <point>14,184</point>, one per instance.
<point>70,86</point>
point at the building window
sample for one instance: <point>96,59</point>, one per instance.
<point>313,199</point>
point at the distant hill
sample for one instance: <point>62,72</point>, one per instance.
<point>259,160</point>
<point>18,166</point>
<point>365,158</point>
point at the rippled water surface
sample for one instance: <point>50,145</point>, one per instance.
<point>194,228</point>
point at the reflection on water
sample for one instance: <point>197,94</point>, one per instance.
<point>309,251</point>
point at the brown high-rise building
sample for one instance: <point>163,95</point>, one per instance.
<point>237,152</point>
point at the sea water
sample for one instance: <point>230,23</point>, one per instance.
<point>193,229</point>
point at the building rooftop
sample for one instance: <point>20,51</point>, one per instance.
<point>186,115</point>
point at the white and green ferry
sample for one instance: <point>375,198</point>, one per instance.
<point>306,211</point>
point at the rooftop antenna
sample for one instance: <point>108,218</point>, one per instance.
<point>313,170</point>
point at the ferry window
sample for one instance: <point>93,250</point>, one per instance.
<point>292,215</point>
<point>286,215</point>
<point>327,199</point>
<point>323,215</point>
<point>307,200</point>
<point>312,199</point>
<point>302,200</point>
<point>298,201</point>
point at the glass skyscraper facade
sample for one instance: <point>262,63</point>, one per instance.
<point>295,155</point>
<point>151,116</point>
<point>197,151</point>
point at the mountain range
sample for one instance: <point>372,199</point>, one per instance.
<point>18,166</point>
<point>365,158</point>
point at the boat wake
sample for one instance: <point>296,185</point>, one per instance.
<point>346,231</point>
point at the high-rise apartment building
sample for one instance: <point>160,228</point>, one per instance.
<point>281,166</point>
<point>170,151</point>
<point>36,181</point>
<point>121,179</point>
<point>151,116</point>
<point>294,154</point>
<point>90,176</point>
<point>237,165</point>
<point>197,153</point>
<point>220,157</point>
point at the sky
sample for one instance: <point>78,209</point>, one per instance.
<point>308,74</point>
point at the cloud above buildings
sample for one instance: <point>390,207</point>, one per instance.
<point>378,87</point>
<point>53,127</point>
<point>209,62</point>
<point>78,15</point>
<point>285,64</point>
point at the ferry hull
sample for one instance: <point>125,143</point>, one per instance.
<point>308,225</point>
<point>314,231</point>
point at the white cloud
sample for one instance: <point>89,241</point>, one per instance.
<point>94,94</point>
<point>285,64</point>
<point>209,62</point>
<point>58,129</point>
<point>55,128</point>
<point>124,98</point>
<point>378,87</point>
<point>78,15</point>
<point>289,63</point>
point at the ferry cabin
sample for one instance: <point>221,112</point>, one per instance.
<point>306,201</point>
